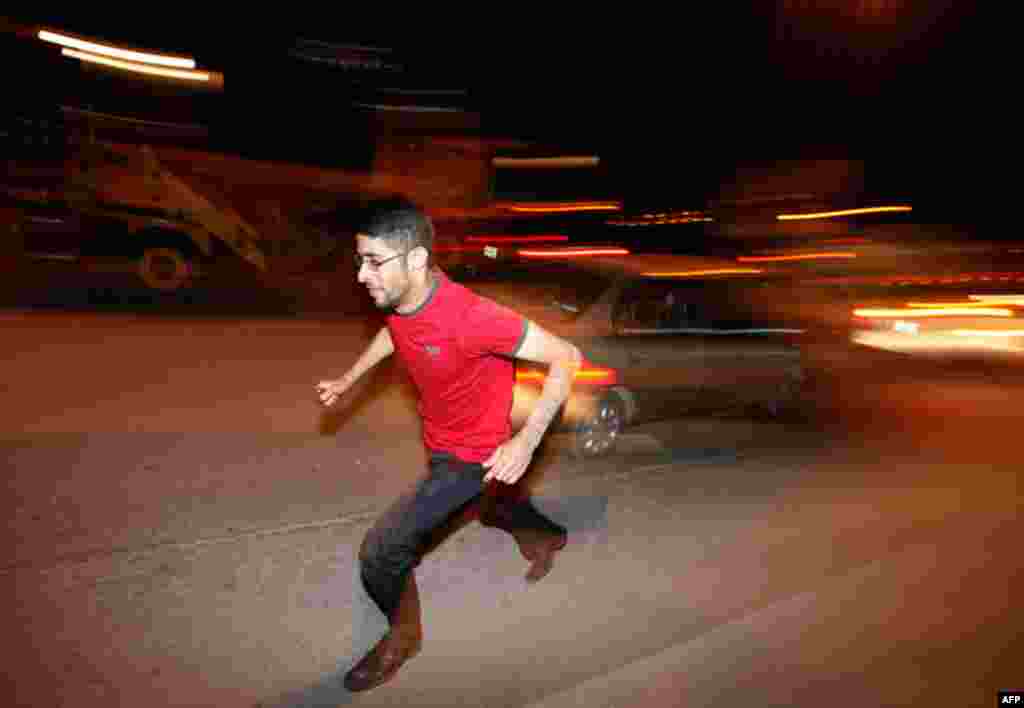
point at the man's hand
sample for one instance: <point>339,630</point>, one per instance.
<point>331,391</point>
<point>509,462</point>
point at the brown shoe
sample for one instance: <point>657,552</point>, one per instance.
<point>382,663</point>
<point>542,557</point>
<point>401,643</point>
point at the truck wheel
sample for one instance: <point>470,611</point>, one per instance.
<point>164,268</point>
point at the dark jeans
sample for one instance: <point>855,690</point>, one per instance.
<point>398,539</point>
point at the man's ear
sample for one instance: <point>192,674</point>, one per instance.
<point>418,258</point>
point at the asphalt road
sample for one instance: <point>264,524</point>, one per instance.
<point>182,520</point>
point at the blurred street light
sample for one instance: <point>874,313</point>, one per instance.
<point>138,68</point>
<point>843,212</point>
<point>116,52</point>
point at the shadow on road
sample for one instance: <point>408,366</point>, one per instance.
<point>585,518</point>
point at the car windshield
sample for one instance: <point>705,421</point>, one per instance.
<point>577,290</point>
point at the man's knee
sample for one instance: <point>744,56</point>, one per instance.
<point>377,551</point>
<point>372,550</point>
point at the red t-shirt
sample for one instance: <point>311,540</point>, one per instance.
<point>457,348</point>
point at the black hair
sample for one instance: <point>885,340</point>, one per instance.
<point>399,222</point>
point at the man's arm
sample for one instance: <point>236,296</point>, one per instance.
<point>510,461</point>
<point>563,360</point>
<point>380,348</point>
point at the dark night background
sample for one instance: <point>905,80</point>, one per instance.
<point>183,516</point>
<point>674,101</point>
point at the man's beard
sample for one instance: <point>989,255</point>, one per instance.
<point>389,303</point>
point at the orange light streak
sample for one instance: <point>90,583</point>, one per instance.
<point>588,375</point>
<point>697,273</point>
<point>546,162</point>
<point>797,257</point>
<point>562,207</point>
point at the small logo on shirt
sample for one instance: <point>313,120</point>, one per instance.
<point>432,350</point>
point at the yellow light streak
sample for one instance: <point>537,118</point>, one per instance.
<point>797,257</point>
<point>593,374</point>
<point>573,252</point>
<point>116,52</point>
<point>933,343</point>
<point>697,273</point>
<point>842,212</point>
<point>139,68</point>
<point>965,305</point>
<point>1007,333</point>
<point>1000,299</point>
<point>906,313</point>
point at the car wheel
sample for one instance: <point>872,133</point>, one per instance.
<point>164,268</point>
<point>599,431</point>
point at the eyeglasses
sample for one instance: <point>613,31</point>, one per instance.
<point>371,264</point>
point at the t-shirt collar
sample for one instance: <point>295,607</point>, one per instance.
<point>438,275</point>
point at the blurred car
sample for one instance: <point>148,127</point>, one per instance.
<point>662,336</point>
